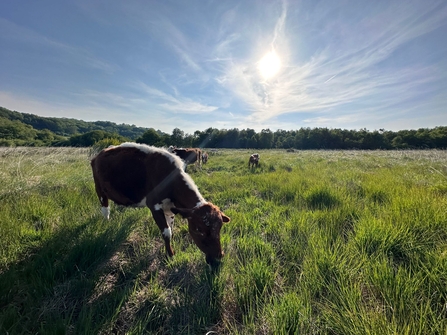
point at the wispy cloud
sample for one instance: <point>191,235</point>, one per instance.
<point>174,104</point>
<point>342,73</point>
<point>195,64</point>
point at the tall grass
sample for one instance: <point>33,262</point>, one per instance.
<point>320,242</point>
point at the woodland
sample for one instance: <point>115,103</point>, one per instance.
<point>23,129</point>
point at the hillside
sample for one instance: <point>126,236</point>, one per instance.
<point>66,127</point>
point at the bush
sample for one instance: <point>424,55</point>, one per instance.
<point>104,143</point>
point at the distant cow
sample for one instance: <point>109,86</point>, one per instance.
<point>204,157</point>
<point>253,161</point>
<point>138,175</point>
<point>189,155</point>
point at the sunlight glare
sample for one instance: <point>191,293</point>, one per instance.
<point>269,65</point>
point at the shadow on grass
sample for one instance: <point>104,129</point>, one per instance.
<point>82,281</point>
<point>321,199</point>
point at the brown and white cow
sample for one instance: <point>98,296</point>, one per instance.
<point>254,160</point>
<point>204,157</point>
<point>189,155</point>
<point>139,175</point>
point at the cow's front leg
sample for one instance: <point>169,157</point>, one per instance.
<point>169,216</point>
<point>166,231</point>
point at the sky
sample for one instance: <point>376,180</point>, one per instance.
<point>258,64</point>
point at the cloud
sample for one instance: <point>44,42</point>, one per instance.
<point>343,63</point>
<point>154,20</point>
<point>350,69</point>
<point>174,104</point>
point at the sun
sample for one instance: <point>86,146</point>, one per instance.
<point>269,65</point>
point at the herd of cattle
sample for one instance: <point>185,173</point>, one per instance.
<point>196,155</point>
<point>138,175</point>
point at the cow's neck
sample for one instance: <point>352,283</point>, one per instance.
<point>186,193</point>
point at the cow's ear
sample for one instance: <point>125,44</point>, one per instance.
<point>225,218</point>
<point>185,212</point>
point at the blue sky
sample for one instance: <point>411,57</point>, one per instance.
<point>346,64</point>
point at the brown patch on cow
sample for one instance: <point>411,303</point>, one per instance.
<point>189,155</point>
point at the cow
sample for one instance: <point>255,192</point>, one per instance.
<point>253,161</point>
<point>204,157</point>
<point>138,175</point>
<point>189,155</point>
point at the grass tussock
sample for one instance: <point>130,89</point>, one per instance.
<point>320,242</point>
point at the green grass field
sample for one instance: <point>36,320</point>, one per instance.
<point>320,242</point>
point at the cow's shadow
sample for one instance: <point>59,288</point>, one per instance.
<point>79,282</point>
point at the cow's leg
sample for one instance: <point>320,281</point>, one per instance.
<point>103,199</point>
<point>169,216</point>
<point>166,231</point>
<point>105,209</point>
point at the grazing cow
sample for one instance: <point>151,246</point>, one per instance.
<point>189,155</point>
<point>139,175</point>
<point>204,157</point>
<point>253,161</point>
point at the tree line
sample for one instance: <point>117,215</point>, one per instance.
<point>20,129</point>
<point>302,139</point>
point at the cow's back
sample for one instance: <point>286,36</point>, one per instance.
<point>126,174</point>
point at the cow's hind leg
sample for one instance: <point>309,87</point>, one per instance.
<point>104,200</point>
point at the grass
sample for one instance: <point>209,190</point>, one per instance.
<point>320,242</point>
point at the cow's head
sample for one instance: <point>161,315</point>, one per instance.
<point>204,224</point>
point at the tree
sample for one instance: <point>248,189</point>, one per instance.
<point>16,130</point>
<point>150,137</point>
<point>231,138</point>
<point>46,136</point>
<point>266,139</point>
<point>92,137</point>
<point>439,137</point>
<point>398,143</point>
<point>177,137</point>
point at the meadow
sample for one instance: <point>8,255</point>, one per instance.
<point>320,242</point>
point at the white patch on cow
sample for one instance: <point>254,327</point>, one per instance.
<point>142,203</point>
<point>149,149</point>
<point>106,212</point>
<point>201,203</point>
<point>170,220</point>
<point>166,206</point>
<point>167,233</point>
